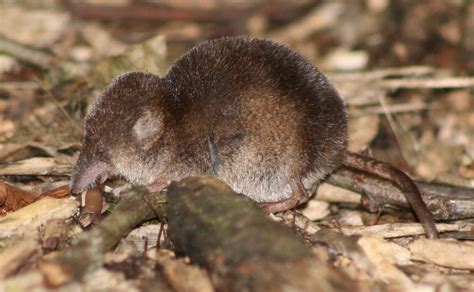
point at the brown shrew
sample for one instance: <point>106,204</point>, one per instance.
<point>252,112</point>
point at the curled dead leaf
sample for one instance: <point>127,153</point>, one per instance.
<point>94,201</point>
<point>54,274</point>
<point>57,193</point>
<point>13,198</point>
<point>92,207</point>
<point>467,171</point>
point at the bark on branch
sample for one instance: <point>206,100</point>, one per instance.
<point>445,202</point>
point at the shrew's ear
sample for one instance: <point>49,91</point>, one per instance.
<point>148,128</point>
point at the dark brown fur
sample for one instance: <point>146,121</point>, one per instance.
<point>252,112</point>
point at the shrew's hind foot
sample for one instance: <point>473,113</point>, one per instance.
<point>299,195</point>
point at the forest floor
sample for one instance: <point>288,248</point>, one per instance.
<point>404,69</point>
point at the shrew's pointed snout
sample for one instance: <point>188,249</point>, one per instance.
<point>88,173</point>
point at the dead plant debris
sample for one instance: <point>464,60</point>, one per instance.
<point>404,68</point>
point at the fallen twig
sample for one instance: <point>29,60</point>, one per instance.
<point>402,229</point>
<point>26,221</point>
<point>445,202</point>
<point>37,166</point>
<point>383,73</point>
<point>87,250</point>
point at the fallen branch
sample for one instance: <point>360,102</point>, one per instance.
<point>27,221</point>
<point>37,166</point>
<point>230,236</point>
<point>140,12</point>
<point>87,250</point>
<point>394,230</point>
<point>445,202</point>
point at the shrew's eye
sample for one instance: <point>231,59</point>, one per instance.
<point>101,154</point>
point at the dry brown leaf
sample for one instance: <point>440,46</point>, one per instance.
<point>350,218</point>
<point>54,234</point>
<point>26,281</point>
<point>343,59</point>
<point>467,171</point>
<point>320,18</point>
<point>28,219</point>
<point>444,252</point>
<point>147,56</point>
<point>437,159</point>
<point>57,193</point>
<point>180,276</point>
<point>330,193</point>
<point>92,207</point>
<point>12,258</point>
<point>316,210</point>
<point>7,64</point>
<point>12,198</point>
<point>392,252</point>
<point>379,255</point>
<point>101,40</point>
<point>33,27</point>
<point>54,274</point>
<point>362,130</point>
<point>94,201</point>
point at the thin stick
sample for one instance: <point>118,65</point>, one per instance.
<point>383,73</point>
<point>392,109</point>
<point>449,82</point>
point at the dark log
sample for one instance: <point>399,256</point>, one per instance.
<point>230,236</point>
